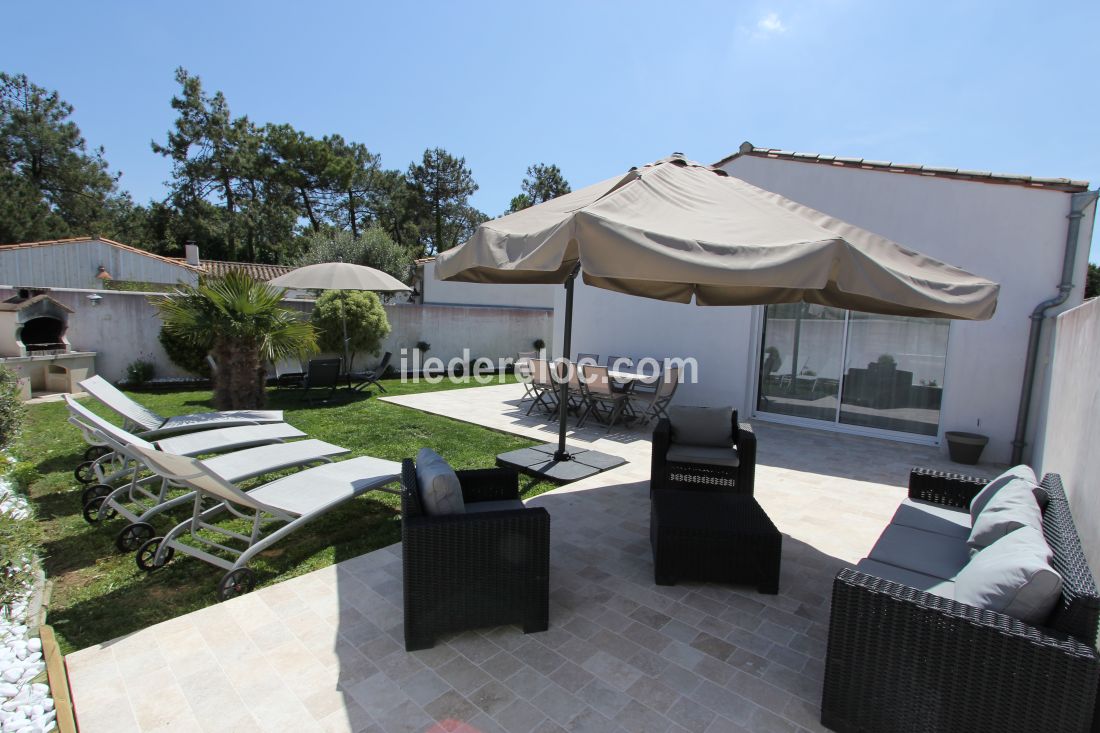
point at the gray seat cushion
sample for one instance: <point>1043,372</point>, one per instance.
<point>920,581</point>
<point>502,505</point>
<point>933,518</point>
<point>440,491</point>
<point>1012,576</point>
<point>924,552</point>
<point>1016,472</point>
<point>1012,507</point>
<point>706,455</point>
<point>710,426</point>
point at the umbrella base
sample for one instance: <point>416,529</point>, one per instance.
<point>540,462</point>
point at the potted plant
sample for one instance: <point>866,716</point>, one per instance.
<point>965,447</point>
<point>539,345</point>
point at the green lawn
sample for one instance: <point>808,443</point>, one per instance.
<point>100,594</point>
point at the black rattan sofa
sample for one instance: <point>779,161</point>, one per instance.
<point>473,570</point>
<point>900,659</point>
<point>666,474</point>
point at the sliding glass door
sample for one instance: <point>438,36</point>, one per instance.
<point>851,368</point>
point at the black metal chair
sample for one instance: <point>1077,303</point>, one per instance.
<point>668,472</point>
<point>366,379</point>
<point>321,374</point>
<point>473,570</point>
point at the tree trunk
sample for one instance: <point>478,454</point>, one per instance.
<point>243,376</point>
<point>222,394</point>
<point>313,223</point>
<point>230,208</point>
<point>351,215</point>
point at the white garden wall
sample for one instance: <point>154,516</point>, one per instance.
<point>1069,431</point>
<point>124,327</point>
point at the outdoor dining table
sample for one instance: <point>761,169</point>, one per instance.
<point>628,378</point>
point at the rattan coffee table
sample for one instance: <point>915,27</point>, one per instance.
<point>713,536</point>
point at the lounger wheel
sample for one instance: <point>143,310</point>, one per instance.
<point>134,536</point>
<point>236,583</point>
<point>95,451</point>
<point>92,510</point>
<point>147,555</point>
<point>85,473</point>
<point>93,491</point>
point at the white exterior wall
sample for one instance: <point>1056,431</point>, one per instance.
<point>1069,431</point>
<point>1009,234</point>
<point>493,332</point>
<point>124,326</point>
<point>441,292</point>
<point>76,264</point>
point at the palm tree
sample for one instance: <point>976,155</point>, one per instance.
<point>241,323</point>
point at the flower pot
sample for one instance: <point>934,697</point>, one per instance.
<point>965,447</point>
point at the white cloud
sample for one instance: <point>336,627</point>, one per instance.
<point>770,24</point>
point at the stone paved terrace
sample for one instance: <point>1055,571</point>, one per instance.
<point>324,652</point>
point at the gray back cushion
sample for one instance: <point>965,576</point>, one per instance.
<point>440,492</point>
<point>711,426</point>
<point>1012,576</point>
<point>982,498</point>
<point>1012,507</point>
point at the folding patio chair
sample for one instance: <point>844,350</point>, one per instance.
<point>624,364</point>
<point>575,391</point>
<point>151,426</point>
<point>138,501</point>
<point>293,500</point>
<point>289,371</point>
<point>543,387</point>
<point>373,376</point>
<point>600,400</point>
<point>524,374</point>
<point>321,374</point>
<point>620,363</point>
<point>648,405</point>
<point>588,358</point>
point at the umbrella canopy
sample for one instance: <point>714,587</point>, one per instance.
<point>340,276</point>
<point>676,229</point>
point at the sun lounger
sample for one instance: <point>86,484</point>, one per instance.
<point>149,425</point>
<point>105,467</point>
<point>293,501</point>
<point>138,501</point>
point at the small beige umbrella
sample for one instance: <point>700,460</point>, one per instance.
<point>676,230</point>
<point>340,276</point>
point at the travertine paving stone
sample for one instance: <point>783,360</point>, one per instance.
<point>324,652</point>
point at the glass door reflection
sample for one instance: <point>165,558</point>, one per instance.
<point>893,373</point>
<point>800,364</point>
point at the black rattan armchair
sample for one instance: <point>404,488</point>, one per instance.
<point>900,659</point>
<point>666,474</point>
<point>473,570</point>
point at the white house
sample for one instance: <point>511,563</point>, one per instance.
<point>441,292</point>
<point>95,262</point>
<point>899,378</point>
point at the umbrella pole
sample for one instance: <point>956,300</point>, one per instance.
<point>347,352</point>
<point>567,349</point>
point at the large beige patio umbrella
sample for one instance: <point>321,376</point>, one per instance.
<point>340,276</point>
<point>676,230</point>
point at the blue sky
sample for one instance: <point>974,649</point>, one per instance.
<point>594,87</point>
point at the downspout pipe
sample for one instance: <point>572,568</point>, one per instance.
<point>1079,202</point>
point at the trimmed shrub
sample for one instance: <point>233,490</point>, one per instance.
<point>139,372</point>
<point>186,354</point>
<point>11,408</point>
<point>365,317</point>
